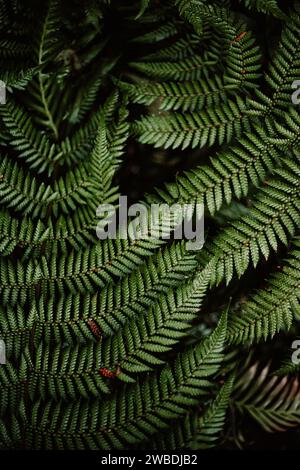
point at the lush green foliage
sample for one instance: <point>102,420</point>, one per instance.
<point>142,343</point>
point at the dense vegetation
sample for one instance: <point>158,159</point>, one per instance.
<point>122,344</point>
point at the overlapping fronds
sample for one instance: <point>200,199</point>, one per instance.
<point>114,341</point>
<point>272,401</point>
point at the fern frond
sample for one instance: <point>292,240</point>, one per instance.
<point>84,270</point>
<point>21,233</point>
<point>136,346</point>
<point>18,281</point>
<point>198,430</point>
<point>283,70</point>
<point>188,96</point>
<point>43,91</point>
<point>16,328</point>
<point>270,7</point>
<point>68,319</point>
<point>272,219</point>
<point>273,402</point>
<point>291,366</point>
<point>195,130</point>
<point>212,422</point>
<point>143,8</point>
<point>23,193</point>
<point>149,406</point>
<point>187,69</point>
<point>231,173</point>
<point>31,145</point>
<point>270,309</point>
